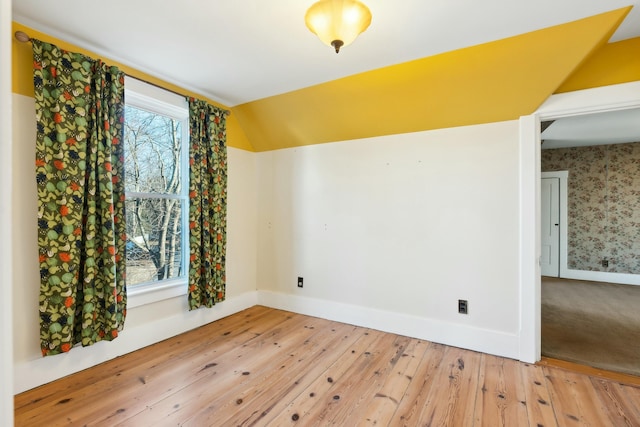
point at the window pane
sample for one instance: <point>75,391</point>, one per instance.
<point>154,244</point>
<point>152,152</point>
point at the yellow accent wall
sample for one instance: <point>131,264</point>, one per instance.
<point>613,63</point>
<point>22,69</point>
<point>492,82</point>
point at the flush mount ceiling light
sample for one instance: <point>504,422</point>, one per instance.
<point>337,22</point>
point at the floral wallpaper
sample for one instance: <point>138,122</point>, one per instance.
<point>604,205</point>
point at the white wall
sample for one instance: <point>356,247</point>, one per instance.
<point>145,324</point>
<point>6,232</point>
<point>390,232</point>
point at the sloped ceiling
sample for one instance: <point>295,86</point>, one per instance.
<point>421,64</point>
<point>492,82</point>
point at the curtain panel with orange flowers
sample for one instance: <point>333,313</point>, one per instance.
<point>207,204</point>
<point>81,221</point>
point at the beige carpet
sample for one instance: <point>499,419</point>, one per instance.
<point>592,323</point>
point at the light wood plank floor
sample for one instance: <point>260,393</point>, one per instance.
<point>269,367</point>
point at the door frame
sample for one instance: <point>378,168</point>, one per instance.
<point>6,191</point>
<point>607,98</point>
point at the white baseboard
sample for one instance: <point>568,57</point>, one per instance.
<point>601,276</point>
<point>33,373</point>
<point>453,334</point>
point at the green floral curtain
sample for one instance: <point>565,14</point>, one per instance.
<point>81,221</point>
<point>207,204</point>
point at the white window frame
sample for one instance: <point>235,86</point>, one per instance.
<point>154,99</point>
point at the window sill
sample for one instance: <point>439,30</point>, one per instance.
<point>153,292</point>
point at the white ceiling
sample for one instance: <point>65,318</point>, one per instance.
<point>611,127</point>
<point>235,51</point>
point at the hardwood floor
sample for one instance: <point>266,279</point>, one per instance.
<point>269,367</point>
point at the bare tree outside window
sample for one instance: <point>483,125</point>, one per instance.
<point>154,201</point>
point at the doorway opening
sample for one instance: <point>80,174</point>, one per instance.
<point>591,322</point>
<point>602,99</point>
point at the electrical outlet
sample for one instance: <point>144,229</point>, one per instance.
<point>463,306</point>
<point>605,263</point>
<point>300,280</point>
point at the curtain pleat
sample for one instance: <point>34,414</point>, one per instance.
<point>81,220</point>
<point>207,204</point>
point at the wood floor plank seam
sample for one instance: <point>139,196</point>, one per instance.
<point>365,389</point>
<point>417,392</point>
<point>394,387</point>
<point>323,386</point>
<point>305,380</point>
<point>198,366</point>
<point>548,401</point>
<point>288,392</point>
<point>236,397</point>
<point>209,371</point>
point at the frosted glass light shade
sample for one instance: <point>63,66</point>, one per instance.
<point>338,22</point>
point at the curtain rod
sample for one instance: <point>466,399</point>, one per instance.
<point>23,37</point>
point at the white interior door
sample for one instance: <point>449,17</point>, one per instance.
<point>550,227</point>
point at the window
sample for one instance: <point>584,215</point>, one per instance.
<point>156,192</point>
